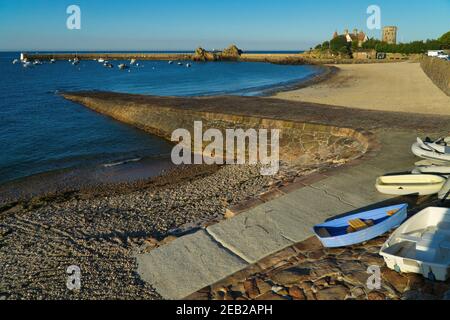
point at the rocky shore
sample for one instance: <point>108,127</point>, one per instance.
<point>99,231</point>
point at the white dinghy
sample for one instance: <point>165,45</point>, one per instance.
<point>433,169</point>
<point>410,184</point>
<point>421,245</point>
<point>438,150</point>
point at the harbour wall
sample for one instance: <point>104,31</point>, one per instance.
<point>439,72</point>
<point>300,143</point>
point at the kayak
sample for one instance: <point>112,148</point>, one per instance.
<point>439,150</point>
<point>360,227</point>
<point>421,245</point>
<point>410,184</point>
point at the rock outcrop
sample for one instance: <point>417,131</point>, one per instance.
<point>203,55</point>
<point>231,53</point>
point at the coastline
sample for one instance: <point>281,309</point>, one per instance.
<point>74,179</point>
<point>102,227</point>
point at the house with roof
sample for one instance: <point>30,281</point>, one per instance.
<point>359,37</point>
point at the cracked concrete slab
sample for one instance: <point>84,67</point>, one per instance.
<point>186,265</point>
<point>195,261</point>
<point>277,224</point>
<point>354,186</point>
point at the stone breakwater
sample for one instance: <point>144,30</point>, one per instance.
<point>110,56</point>
<point>439,72</point>
<point>300,143</point>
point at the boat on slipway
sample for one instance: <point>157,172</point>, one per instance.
<point>421,245</point>
<point>360,227</point>
<point>437,150</point>
<point>410,184</point>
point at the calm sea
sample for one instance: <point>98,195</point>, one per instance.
<point>41,132</point>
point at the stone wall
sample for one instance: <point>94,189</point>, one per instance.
<point>300,143</point>
<point>439,72</point>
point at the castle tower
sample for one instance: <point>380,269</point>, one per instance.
<point>390,34</point>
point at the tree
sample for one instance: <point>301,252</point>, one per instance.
<point>445,40</point>
<point>326,45</point>
<point>338,43</point>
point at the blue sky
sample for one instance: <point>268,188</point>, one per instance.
<point>178,24</point>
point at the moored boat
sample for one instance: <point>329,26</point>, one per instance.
<point>360,227</point>
<point>410,184</point>
<point>421,245</point>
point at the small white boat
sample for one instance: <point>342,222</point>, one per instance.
<point>444,193</point>
<point>123,66</point>
<point>438,150</point>
<point>430,162</point>
<point>37,62</point>
<point>52,60</point>
<point>410,184</point>
<point>179,63</point>
<point>133,61</point>
<point>27,64</point>
<point>433,169</point>
<point>421,245</point>
<point>170,62</point>
<point>188,65</point>
<point>101,60</point>
<point>108,65</point>
<point>15,61</point>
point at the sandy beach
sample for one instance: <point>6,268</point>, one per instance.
<point>399,87</point>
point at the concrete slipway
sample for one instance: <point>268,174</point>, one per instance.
<point>207,256</point>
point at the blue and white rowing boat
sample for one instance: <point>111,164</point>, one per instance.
<point>360,227</point>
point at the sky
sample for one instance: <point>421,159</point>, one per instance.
<point>38,25</point>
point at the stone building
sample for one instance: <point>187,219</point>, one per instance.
<point>390,34</point>
<point>358,36</point>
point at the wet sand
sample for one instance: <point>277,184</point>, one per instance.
<point>398,87</point>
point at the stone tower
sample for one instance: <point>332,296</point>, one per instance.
<point>390,34</point>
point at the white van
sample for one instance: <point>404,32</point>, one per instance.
<point>435,53</point>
